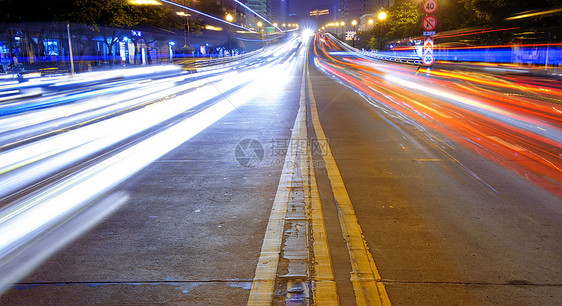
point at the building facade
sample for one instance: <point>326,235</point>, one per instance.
<point>278,10</point>
<point>354,9</point>
<point>259,6</point>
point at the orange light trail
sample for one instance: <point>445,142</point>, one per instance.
<point>514,122</point>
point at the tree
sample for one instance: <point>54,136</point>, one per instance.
<point>42,14</point>
<point>119,14</point>
<point>494,12</point>
<point>452,14</point>
<point>404,20</point>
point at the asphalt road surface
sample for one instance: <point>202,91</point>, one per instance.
<point>310,190</point>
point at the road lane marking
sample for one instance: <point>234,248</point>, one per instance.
<point>263,286</point>
<point>298,157</point>
<point>324,290</point>
<point>366,280</point>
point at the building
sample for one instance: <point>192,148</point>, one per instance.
<point>354,9</point>
<point>278,10</point>
<point>362,11</point>
<point>259,6</point>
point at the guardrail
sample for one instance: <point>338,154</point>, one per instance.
<point>220,62</point>
<point>392,58</point>
<point>383,57</point>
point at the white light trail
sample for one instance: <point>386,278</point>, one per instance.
<point>207,15</point>
<point>39,213</point>
<point>22,165</point>
<point>255,13</point>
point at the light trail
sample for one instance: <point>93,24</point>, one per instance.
<point>207,15</point>
<point>255,13</point>
<point>23,165</point>
<point>512,121</point>
<point>186,109</point>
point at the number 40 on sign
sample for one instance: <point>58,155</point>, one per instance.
<point>429,6</point>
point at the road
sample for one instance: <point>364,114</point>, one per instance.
<point>308,175</point>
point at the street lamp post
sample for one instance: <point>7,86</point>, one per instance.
<point>382,17</point>
<point>354,24</point>
<point>186,29</point>
<point>230,19</point>
<point>342,37</point>
<point>260,24</point>
<point>186,40</point>
<point>70,50</point>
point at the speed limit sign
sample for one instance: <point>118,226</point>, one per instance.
<point>429,6</point>
<point>428,59</point>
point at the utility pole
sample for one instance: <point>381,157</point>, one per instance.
<point>70,49</point>
<point>186,27</point>
<point>354,23</point>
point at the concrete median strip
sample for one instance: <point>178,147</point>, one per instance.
<point>280,242</point>
<point>367,285</point>
<point>298,174</point>
<point>263,286</point>
<point>324,288</point>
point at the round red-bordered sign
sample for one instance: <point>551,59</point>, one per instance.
<point>428,59</point>
<point>429,23</point>
<point>429,6</point>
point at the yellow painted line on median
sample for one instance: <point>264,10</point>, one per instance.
<point>367,284</point>
<point>263,286</point>
<point>325,290</point>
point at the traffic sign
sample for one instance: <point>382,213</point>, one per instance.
<point>429,6</point>
<point>428,59</point>
<point>429,23</point>
<point>428,43</point>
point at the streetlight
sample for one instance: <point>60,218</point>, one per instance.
<point>145,2</point>
<point>186,41</point>
<point>229,18</point>
<point>260,24</point>
<point>70,50</point>
<point>382,17</point>
<point>342,24</point>
<point>354,24</point>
